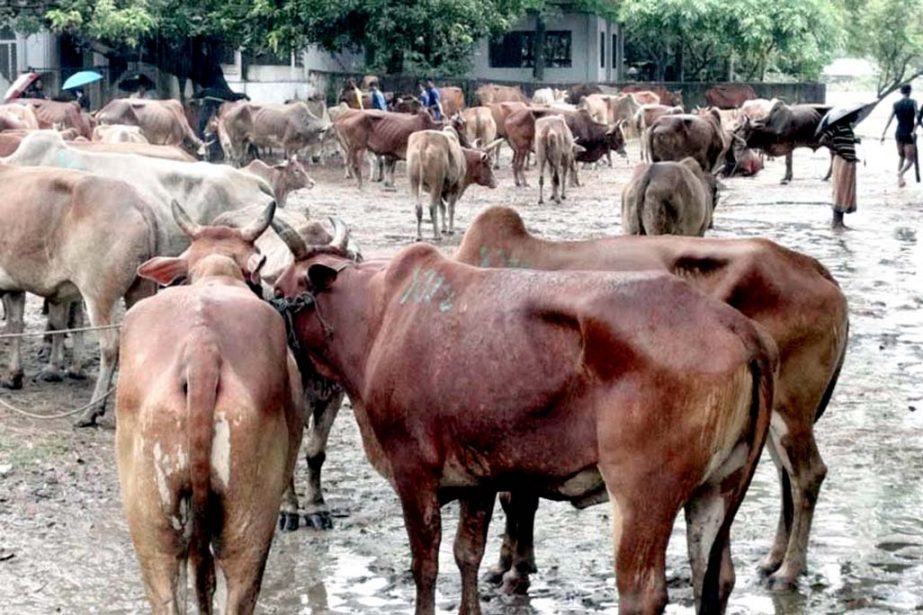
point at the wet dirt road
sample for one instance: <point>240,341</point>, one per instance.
<point>64,546</point>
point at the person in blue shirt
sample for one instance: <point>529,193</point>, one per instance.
<point>378,99</point>
<point>423,97</point>
<point>432,100</point>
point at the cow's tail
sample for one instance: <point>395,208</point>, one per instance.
<point>643,183</point>
<point>203,368</point>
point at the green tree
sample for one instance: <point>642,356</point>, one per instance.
<point>698,39</point>
<point>889,32</point>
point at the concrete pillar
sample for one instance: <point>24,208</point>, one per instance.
<point>620,54</point>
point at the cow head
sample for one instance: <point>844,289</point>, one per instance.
<point>293,175</point>
<point>236,245</point>
<point>677,96</point>
<point>615,138</point>
<point>304,276</point>
<point>479,168</point>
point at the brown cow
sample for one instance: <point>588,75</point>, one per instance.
<point>452,99</point>
<point>70,236</point>
<point>284,177</point>
<point>291,126</point>
<point>383,133</point>
<point>501,111</point>
<point>669,198</point>
<point>671,98</point>
<point>438,164</point>
<point>519,127</point>
<point>489,94</point>
<point>209,422</point>
<point>554,146</point>
<point>674,137</point>
<point>644,118</point>
<point>637,377</point>
<point>162,122</point>
<point>792,295</point>
<point>59,115</point>
<point>729,95</point>
<point>783,130</point>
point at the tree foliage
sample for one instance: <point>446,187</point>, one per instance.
<point>889,32</point>
<point>699,39</point>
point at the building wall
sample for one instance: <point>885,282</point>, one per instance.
<point>276,84</point>
<point>584,29</point>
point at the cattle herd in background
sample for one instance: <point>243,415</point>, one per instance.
<point>588,382</point>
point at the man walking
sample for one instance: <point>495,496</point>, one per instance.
<point>906,112</point>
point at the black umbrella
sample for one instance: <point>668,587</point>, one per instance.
<point>850,114</point>
<point>133,83</point>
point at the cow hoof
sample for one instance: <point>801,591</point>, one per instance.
<point>768,565</point>
<point>494,575</point>
<point>288,522</point>
<point>515,583</point>
<point>87,420</point>
<point>49,375</point>
<point>319,520</point>
<point>13,381</point>
<point>76,374</point>
<point>44,352</point>
<point>781,582</point>
<point>785,181</point>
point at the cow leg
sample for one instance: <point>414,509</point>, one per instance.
<point>434,202</point>
<point>101,315</point>
<point>788,168</point>
<point>423,521</point>
<point>705,516</point>
<point>801,459</point>
<point>520,511</point>
<point>355,163</point>
<point>473,520</point>
<point>288,512</point>
<point>574,177</point>
<point>325,410</point>
<point>443,206</point>
<point>773,559</point>
<point>541,180</point>
<point>77,319</point>
<point>15,303</point>
<point>564,169</point>
<point>453,199</point>
<point>57,320</point>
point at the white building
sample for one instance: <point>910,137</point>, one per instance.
<point>19,52</point>
<point>579,47</point>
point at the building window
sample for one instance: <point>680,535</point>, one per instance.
<point>615,51</point>
<point>272,59</point>
<point>602,50</point>
<point>516,50</point>
<point>8,54</point>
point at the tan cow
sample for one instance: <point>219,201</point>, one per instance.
<point>644,118</point>
<point>209,421</point>
<point>610,109</point>
<point>489,93</point>
<point>669,198</point>
<point>166,152</point>
<point>69,235</point>
<point>291,127</point>
<point>284,177</point>
<point>452,99</point>
<point>59,115</point>
<point>162,122</point>
<point>438,164</point>
<point>674,137</point>
<point>548,96</point>
<point>118,133</point>
<point>554,146</point>
<point>22,114</point>
<point>481,128</point>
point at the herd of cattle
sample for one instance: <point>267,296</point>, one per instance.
<point>647,371</point>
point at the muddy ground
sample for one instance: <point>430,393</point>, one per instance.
<point>64,545</point>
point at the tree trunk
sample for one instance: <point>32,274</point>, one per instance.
<point>679,67</point>
<point>538,71</point>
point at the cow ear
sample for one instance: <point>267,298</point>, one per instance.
<point>164,270</point>
<point>321,277</point>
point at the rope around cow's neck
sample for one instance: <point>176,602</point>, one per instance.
<point>61,415</point>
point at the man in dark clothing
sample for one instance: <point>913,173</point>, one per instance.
<point>906,112</point>
<point>432,100</point>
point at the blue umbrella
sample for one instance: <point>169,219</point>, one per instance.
<point>81,79</point>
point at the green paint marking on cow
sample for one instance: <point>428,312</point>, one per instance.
<point>424,286</point>
<point>66,161</point>
<point>485,256</point>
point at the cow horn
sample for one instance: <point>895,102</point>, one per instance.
<point>256,228</point>
<point>292,239</point>
<point>183,221</point>
<point>340,234</point>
